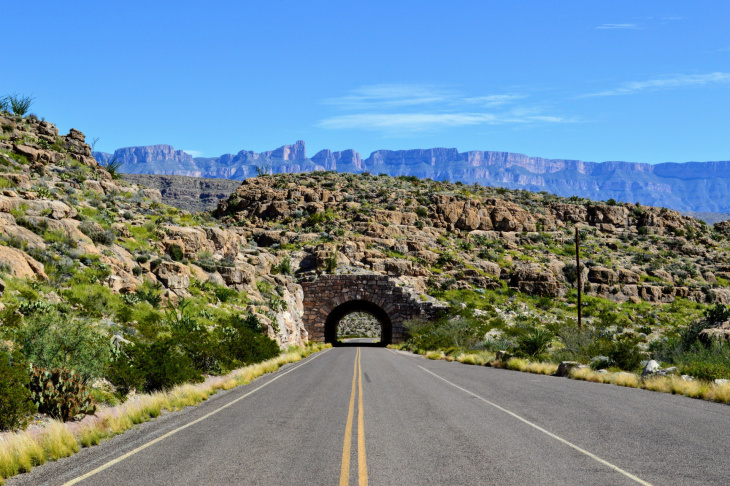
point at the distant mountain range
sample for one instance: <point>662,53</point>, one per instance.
<point>689,187</point>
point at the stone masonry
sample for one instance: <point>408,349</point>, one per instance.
<point>331,297</point>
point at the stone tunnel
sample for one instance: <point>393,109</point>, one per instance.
<point>331,297</point>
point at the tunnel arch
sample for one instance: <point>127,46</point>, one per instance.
<point>329,298</point>
<point>360,305</point>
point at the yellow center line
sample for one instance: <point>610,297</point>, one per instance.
<point>345,469</point>
<point>362,463</point>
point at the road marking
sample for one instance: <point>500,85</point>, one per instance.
<point>362,463</point>
<point>345,469</point>
<point>172,432</point>
<point>550,434</point>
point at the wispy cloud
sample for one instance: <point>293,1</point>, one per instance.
<point>391,95</point>
<point>667,82</point>
<point>618,26</point>
<point>405,108</point>
<point>194,153</point>
<point>494,100</point>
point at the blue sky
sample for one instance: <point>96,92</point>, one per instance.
<point>644,81</point>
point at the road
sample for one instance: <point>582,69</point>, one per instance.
<point>366,415</point>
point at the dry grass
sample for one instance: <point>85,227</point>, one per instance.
<point>675,385</point>
<point>480,359</point>
<point>536,367</point>
<point>434,355</point>
<point>21,451</point>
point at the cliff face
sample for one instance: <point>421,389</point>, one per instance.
<point>691,186</point>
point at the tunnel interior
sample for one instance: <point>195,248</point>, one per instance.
<point>342,310</point>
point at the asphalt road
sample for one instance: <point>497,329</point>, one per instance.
<point>375,416</point>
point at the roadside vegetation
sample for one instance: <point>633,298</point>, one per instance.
<point>514,331</point>
<point>21,451</point>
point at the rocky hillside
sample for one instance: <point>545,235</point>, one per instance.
<point>77,236</point>
<point>448,235</point>
<point>691,186</point>
<point>194,194</point>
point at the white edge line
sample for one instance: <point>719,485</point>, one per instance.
<point>172,432</point>
<point>548,433</point>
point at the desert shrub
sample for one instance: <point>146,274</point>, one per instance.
<point>716,314</point>
<point>50,339</point>
<point>150,293</point>
<point>176,253</point>
<point>243,343</point>
<point>151,367</point>
<point>97,233</point>
<point>16,403</point>
<point>206,262</point>
<point>60,393</point>
<point>625,353</point>
<point>284,267</point>
<point>94,300</point>
<point>224,294</point>
<point>707,370</point>
<point>455,331</point>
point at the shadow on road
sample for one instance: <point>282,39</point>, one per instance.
<point>363,343</point>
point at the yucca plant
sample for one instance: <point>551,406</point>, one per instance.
<point>113,167</point>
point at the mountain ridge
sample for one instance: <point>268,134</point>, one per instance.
<point>688,186</point>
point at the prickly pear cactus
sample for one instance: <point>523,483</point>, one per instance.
<point>60,393</point>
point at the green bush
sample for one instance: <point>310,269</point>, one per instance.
<point>176,253</point>
<point>707,370</point>
<point>97,233</point>
<point>49,339</point>
<point>16,404</point>
<point>60,393</point>
<point>243,343</point>
<point>625,353</point>
<point>150,367</point>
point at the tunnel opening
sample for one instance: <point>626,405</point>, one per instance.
<point>346,309</point>
<point>358,325</point>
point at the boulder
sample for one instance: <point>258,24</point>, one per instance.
<point>20,264</point>
<point>565,367</point>
<point>602,275</point>
<point>626,276</point>
<point>651,368</point>
<point>174,275</point>
<point>534,280</point>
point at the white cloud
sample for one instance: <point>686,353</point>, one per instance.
<point>405,108</point>
<point>494,100</point>
<point>668,82</point>
<point>390,95</point>
<point>618,26</point>
<point>407,122</point>
<point>194,153</point>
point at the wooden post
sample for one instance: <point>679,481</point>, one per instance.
<point>580,284</point>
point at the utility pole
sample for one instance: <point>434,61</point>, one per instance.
<point>580,285</point>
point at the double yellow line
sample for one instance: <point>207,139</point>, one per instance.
<point>362,465</point>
